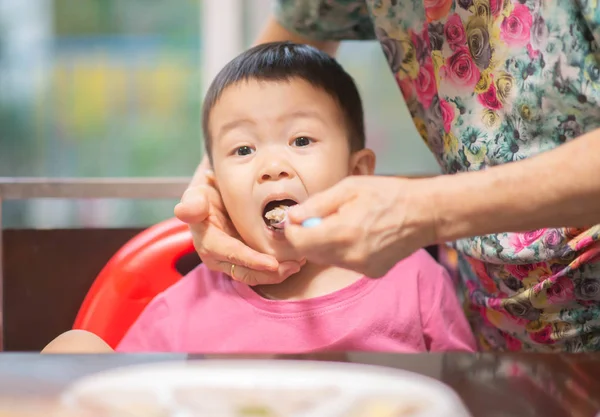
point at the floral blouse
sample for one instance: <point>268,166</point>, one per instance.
<point>489,82</point>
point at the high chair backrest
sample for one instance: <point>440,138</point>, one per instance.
<point>140,270</point>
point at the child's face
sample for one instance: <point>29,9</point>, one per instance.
<point>277,141</point>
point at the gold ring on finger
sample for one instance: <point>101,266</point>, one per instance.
<point>231,271</point>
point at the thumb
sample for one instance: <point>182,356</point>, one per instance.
<point>321,204</point>
<point>194,206</point>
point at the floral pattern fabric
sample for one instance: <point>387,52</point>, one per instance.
<point>489,82</point>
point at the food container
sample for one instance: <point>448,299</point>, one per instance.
<point>261,388</point>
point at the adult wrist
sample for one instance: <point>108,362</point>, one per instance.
<point>469,204</point>
<point>420,209</point>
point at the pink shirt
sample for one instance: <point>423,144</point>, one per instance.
<point>412,309</point>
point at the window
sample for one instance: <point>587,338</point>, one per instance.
<point>112,88</point>
<point>98,88</point>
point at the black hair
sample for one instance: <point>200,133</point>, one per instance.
<point>283,61</point>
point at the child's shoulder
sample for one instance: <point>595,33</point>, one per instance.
<point>422,276</point>
<point>415,273</point>
<point>198,281</point>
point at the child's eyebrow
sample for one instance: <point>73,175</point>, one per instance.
<point>298,114</point>
<point>233,125</point>
<point>303,114</point>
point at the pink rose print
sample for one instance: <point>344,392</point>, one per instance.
<point>512,343</point>
<point>447,114</point>
<point>520,241</point>
<point>421,45</point>
<point>560,291</point>
<point>425,84</point>
<point>496,7</point>
<point>589,255</point>
<point>455,32</point>
<point>522,271</point>
<point>552,238</point>
<point>437,9</point>
<point>494,303</point>
<point>583,243</point>
<point>515,29</point>
<point>417,43</point>
<point>533,54</point>
<point>543,336</point>
<point>595,253</point>
<point>461,70</point>
<point>490,99</point>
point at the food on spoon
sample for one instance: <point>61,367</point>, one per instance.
<point>275,213</point>
<point>277,216</point>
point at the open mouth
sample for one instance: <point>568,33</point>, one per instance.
<point>275,213</point>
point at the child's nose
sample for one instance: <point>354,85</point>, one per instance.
<point>274,176</point>
<point>274,172</point>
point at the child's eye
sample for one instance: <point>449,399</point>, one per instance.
<point>302,141</point>
<point>244,150</point>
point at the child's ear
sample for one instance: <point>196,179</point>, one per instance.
<point>362,162</point>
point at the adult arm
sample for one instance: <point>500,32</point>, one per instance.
<point>370,223</point>
<point>558,188</point>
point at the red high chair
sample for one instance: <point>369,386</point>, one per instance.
<point>140,270</point>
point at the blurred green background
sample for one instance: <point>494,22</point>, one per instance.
<point>106,88</point>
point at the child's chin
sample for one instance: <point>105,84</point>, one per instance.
<point>279,250</point>
<point>284,254</point>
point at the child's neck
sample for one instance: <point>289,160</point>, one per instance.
<point>310,282</point>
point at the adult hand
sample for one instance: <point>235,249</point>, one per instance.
<point>217,242</point>
<point>369,223</point>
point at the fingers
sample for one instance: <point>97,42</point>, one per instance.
<point>217,246</point>
<point>321,204</point>
<point>319,239</point>
<point>194,206</point>
<point>252,277</point>
<point>213,234</point>
<point>210,177</point>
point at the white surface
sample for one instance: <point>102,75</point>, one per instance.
<point>221,387</point>
<point>222,36</point>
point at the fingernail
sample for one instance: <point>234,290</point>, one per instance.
<point>295,211</point>
<point>272,265</point>
<point>289,270</point>
<point>210,176</point>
